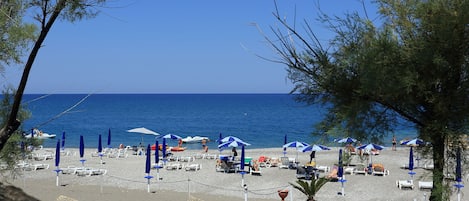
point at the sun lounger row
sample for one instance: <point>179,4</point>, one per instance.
<point>410,184</point>
<point>31,166</point>
<point>83,171</point>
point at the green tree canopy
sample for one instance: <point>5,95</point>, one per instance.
<point>413,65</point>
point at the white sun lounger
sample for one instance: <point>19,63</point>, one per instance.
<point>405,184</point>
<point>194,167</point>
<point>425,185</point>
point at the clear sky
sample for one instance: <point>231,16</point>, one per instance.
<point>153,46</point>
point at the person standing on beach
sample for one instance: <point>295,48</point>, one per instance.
<point>394,142</point>
<point>312,156</point>
<point>235,153</point>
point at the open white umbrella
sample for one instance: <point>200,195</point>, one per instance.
<point>143,131</point>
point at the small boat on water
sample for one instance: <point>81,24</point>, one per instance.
<point>195,139</point>
<point>36,133</point>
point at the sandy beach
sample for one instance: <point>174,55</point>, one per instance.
<point>124,179</point>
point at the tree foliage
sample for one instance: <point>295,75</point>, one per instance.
<point>413,65</point>
<point>45,13</point>
<point>15,35</point>
<point>310,188</point>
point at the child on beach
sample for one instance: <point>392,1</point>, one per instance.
<point>394,142</point>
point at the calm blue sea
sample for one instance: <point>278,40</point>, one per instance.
<point>259,119</point>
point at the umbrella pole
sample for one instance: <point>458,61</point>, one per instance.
<point>57,170</point>
<point>148,182</point>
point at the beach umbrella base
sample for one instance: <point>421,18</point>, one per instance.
<point>148,177</point>
<point>57,180</point>
<point>342,192</point>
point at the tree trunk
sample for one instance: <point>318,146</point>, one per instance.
<point>439,163</point>
<point>13,123</point>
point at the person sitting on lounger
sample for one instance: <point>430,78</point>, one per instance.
<point>333,175</point>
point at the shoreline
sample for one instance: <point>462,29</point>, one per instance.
<point>125,179</point>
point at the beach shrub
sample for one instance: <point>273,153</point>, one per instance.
<point>310,188</point>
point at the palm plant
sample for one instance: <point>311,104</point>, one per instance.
<point>310,188</point>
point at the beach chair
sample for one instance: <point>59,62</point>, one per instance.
<point>70,170</point>
<point>378,169</point>
<point>323,168</point>
<point>301,173</point>
<point>285,162</point>
<point>349,170</point>
<point>405,184</point>
<point>173,166</point>
<point>193,167</point>
<point>360,169</point>
<point>263,162</point>
<point>425,185</point>
<point>42,156</point>
<point>274,162</point>
<point>256,168</point>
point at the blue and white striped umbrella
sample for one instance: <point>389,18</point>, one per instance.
<point>172,136</point>
<point>236,143</point>
<point>314,147</point>
<point>413,142</point>
<point>371,146</point>
<point>230,138</point>
<point>345,140</point>
<point>296,144</point>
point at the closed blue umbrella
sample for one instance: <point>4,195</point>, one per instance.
<point>82,150</point>
<point>100,145</point>
<point>243,157</point>
<point>157,160</point>
<point>57,161</point>
<point>157,153</point>
<point>109,138</point>
<point>411,163</point>
<point>340,173</point>
<point>57,154</point>
<point>148,166</point>
<point>163,149</point>
<point>100,149</point>
<point>63,140</point>
<point>458,173</point>
<point>285,142</point>
<point>148,160</point>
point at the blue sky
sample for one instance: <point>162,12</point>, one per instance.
<point>141,46</point>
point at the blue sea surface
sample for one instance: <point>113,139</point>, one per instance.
<point>259,119</point>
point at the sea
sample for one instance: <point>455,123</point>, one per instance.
<point>261,120</point>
